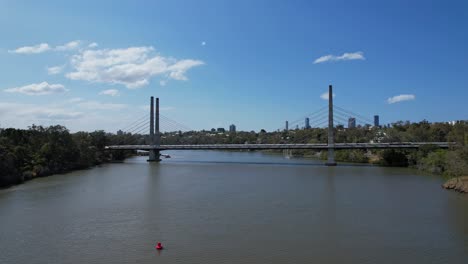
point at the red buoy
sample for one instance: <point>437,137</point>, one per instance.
<point>159,246</point>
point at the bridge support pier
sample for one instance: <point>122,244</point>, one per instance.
<point>331,158</point>
<point>331,138</point>
<point>154,156</point>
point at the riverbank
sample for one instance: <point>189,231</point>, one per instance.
<point>459,184</point>
<point>44,172</point>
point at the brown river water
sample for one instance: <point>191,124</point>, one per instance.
<point>233,207</point>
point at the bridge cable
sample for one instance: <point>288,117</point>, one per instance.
<point>184,127</point>
<point>132,128</point>
<point>165,126</point>
<point>139,127</point>
<point>146,116</point>
<point>353,114</point>
<point>302,119</point>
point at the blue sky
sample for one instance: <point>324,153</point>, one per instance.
<point>213,63</point>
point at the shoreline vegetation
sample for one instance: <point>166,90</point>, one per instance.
<point>42,151</point>
<point>39,151</point>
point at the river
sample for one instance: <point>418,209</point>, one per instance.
<point>232,207</point>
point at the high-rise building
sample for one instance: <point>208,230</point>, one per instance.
<point>352,122</point>
<point>376,120</point>
<point>287,125</point>
<point>307,123</point>
<point>232,128</point>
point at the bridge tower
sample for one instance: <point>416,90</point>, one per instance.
<point>331,138</point>
<point>154,155</point>
<point>157,132</point>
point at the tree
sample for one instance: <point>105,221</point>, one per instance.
<point>392,157</point>
<point>8,170</point>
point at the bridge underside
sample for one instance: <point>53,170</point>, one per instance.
<point>405,145</point>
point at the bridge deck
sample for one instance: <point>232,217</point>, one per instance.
<point>400,145</point>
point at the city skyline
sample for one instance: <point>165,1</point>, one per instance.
<point>212,64</point>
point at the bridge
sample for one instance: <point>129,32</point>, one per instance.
<point>155,145</point>
<point>402,145</point>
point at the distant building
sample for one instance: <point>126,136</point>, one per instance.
<point>287,125</point>
<point>352,122</point>
<point>307,123</point>
<point>232,128</point>
<point>120,132</point>
<point>376,121</point>
<point>221,130</point>
<point>454,122</point>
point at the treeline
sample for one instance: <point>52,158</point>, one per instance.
<point>41,151</point>
<point>451,162</point>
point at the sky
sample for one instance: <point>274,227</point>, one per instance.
<point>92,65</point>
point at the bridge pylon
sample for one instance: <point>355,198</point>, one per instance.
<point>331,137</point>
<point>154,154</point>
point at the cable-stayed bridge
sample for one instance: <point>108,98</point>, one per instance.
<point>324,117</point>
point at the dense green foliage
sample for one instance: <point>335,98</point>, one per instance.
<point>41,151</point>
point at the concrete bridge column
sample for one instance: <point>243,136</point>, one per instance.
<point>331,138</point>
<point>153,156</point>
<point>157,139</point>
<point>154,139</point>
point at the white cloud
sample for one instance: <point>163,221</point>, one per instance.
<point>36,112</point>
<point>57,114</point>
<point>75,100</point>
<point>324,96</point>
<point>178,69</point>
<point>346,56</point>
<point>43,47</point>
<point>111,92</point>
<point>69,113</point>
<point>42,88</point>
<point>401,98</point>
<point>69,46</point>
<point>203,43</point>
<point>54,70</point>
<point>94,105</point>
<point>163,82</point>
<point>31,49</point>
<point>132,67</point>
<point>93,45</point>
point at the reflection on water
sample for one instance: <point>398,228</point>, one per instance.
<point>231,207</point>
